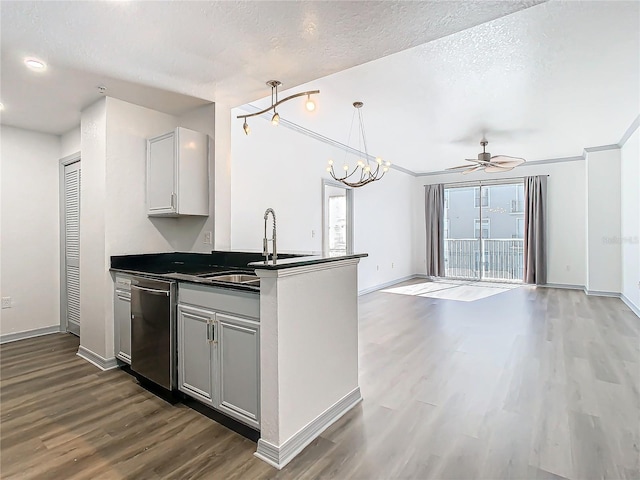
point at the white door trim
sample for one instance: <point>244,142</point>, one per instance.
<point>68,160</point>
<point>350,229</point>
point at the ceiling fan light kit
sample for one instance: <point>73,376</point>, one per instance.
<point>495,164</point>
<point>275,119</point>
<point>366,170</point>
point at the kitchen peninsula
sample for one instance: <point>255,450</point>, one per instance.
<point>306,314</point>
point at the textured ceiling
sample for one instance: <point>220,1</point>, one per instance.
<point>541,83</point>
<point>222,51</point>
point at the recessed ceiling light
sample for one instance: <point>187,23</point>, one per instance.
<point>35,64</point>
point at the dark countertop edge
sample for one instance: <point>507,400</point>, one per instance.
<point>184,278</point>
<point>302,261</point>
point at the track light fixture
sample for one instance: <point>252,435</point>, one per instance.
<point>364,174</point>
<point>275,119</point>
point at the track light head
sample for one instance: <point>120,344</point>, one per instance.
<point>246,128</point>
<point>275,120</point>
<point>310,105</point>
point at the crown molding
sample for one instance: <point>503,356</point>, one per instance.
<point>334,143</point>
<point>630,131</point>
<point>321,138</point>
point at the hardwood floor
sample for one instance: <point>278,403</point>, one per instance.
<point>527,384</point>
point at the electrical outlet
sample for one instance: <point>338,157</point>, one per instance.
<point>207,238</point>
<point>313,234</point>
<point>6,302</point>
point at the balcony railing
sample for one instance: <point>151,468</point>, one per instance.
<point>517,206</point>
<point>502,258</point>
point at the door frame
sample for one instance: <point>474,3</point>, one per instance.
<point>480,184</point>
<point>63,162</point>
<point>350,216</point>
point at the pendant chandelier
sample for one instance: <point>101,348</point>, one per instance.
<point>275,119</point>
<point>367,169</point>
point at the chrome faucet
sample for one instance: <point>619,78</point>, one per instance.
<point>265,241</point>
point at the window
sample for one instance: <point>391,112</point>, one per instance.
<point>486,230</point>
<point>337,237</point>
<point>478,191</point>
<point>519,228</point>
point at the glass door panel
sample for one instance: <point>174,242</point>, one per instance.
<point>502,246</point>
<point>461,243</point>
<point>483,230</point>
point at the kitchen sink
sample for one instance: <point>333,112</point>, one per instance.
<point>236,278</point>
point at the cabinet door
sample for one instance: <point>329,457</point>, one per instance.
<point>122,321</point>
<point>197,354</point>
<point>239,343</point>
<point>161,175</point>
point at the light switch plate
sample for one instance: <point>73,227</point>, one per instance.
<point>6,302</point>
<point>207,238</point>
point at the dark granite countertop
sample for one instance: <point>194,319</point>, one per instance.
<point>282,263</point>
<point>190,267</point>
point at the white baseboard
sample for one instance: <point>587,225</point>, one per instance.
<point>634,308</point>
<point>561,285</point>
<point>279,456</point>
<point>389,284</point>
<point>36,332</point>
<point>598,293</point>
<point>99,361</point>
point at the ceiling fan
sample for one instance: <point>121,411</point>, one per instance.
<point>499,163</point>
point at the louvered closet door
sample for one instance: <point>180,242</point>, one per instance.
<point>72,245</point>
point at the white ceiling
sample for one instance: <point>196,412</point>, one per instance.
<point>222,51</point>
<point>541,83</point>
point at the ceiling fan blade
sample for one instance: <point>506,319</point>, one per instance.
<point>506,160</point>
<point>472,169</point>
<point>473,160</point>
<point>498,168</point>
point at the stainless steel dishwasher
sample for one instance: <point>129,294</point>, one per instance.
<point>153,333</point>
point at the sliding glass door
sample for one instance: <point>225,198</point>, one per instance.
<point>484,230</point>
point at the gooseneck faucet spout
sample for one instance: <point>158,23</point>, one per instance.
<point>265,241</point>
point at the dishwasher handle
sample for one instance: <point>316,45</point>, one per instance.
<point>152,291</point>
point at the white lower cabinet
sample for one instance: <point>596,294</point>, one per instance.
<point>197,353</point>
<point>219,361</point>
<point>239,354</point>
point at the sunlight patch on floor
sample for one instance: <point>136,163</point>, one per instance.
<point>460,290</point>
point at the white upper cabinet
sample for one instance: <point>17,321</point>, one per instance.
<point>178,174</point>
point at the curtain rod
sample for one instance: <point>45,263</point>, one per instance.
<point>483,182</point>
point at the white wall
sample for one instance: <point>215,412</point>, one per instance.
<point>630,219</point>
<point>70,142</point>
<point>566,216</point>
<point>113,210</point>
<point>603,221</point>
<point>282,169</point>
<point>129,229</point>
<point>222,177</point>
<point>203,119</point>
<point>29,232</point>
<point>94,263</point>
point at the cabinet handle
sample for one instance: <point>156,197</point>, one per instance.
<point>213,332</point>
<point>208,331</point>
<point>173,200</point>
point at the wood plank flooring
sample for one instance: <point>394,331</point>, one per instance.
<point>533,383</point>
